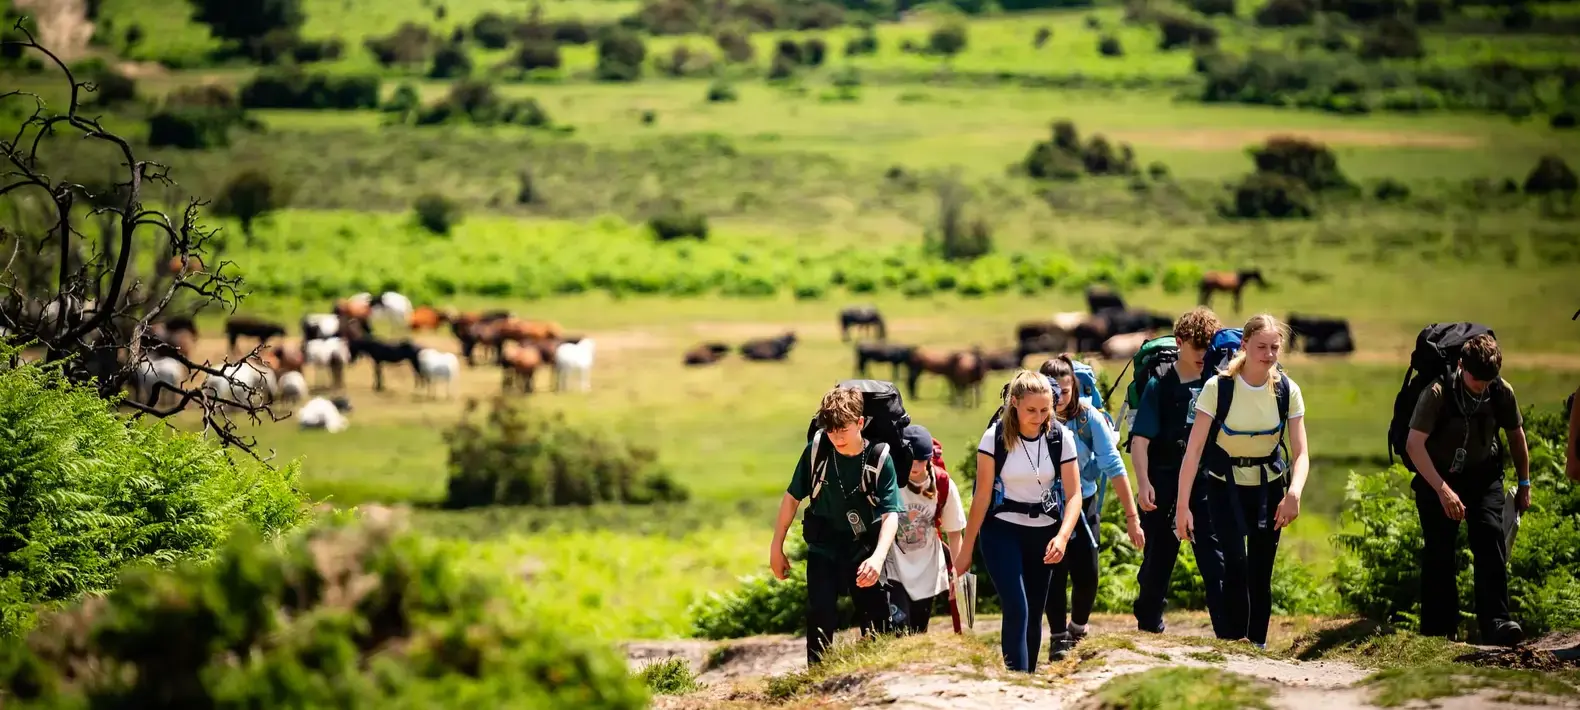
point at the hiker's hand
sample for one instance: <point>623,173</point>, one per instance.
<point>1288,510</point>
<point>1452,507</point>
<point>1522,499</point>
<point>1148,499</point>
<point>1137,537</point>
<point>1055,551</point>
<point>963,562</point>
<point>778,562</point>
<point>1184,526</point>
<point>867,571</point>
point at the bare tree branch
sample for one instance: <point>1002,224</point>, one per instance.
<point>82,299</point>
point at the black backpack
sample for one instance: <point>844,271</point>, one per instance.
<point>1435,357</point>
<point>884,410</point>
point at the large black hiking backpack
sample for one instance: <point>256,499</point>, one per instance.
<point>884,410</point>
<point>1435,356</point>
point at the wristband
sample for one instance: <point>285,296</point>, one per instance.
<point>1525,483</point>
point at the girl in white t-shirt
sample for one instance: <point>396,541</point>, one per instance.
<point>1025,513</point>
<point>917,563</point>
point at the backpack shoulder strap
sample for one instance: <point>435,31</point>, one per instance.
<point>941,489</point>
<point>819,472</point>
<point>1225,401</point>
<point>1281,390</point>
<point>877,454</point>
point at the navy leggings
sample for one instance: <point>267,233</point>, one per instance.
<point>1013,557</point>
<point>1249,552</point>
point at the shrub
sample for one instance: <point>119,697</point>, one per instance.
<point>249,195</point>
<point>409,44</point>
<point>1180,31</point>
<point>1213,7</point>
<point>736,45</point>
<point>196,118</point>
<point>789,50</point>
<point>955,235</point>
<point>572,31</point>
<point>342,615</point>
<point>1429,12</point>
<point>290,87</point>
<point>720,91</point>
<point>1563,119</point>
<point>113,88</point>
<point>436,213</point>
<point>671,676</point>
<point>674,221</point>
<point>1306,161</point>
<point>1158,171</point>
<point>813,51</point>
<point>491,30</point>
<point>1109,46</point>
<point>947,39</point>
<point>1392,39</point>
<point>1286,13</point>
<point>783,67</point>
<point>1551,174</point>
<point>1378,567</point>
<point>1041,38</point>
<point>536,54</point>
<point>450,62</point>
<point>620,56</point>
<point>1391,190</point>
<point>865,43</point>
<point>1273,196</point>
<point>517,456</point>
<point>85,494</point>
<point>404,100</point>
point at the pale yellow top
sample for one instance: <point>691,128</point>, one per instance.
<point>1253,409</point>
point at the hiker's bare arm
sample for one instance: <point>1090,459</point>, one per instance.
<point>1146,497</point>
<point>956,540</point>
<point>890,526</point>
<point>1132,518</point>
<point>1415,448</point>
<point>1521,454</point>
<point>776,552</point>
<point>1289,507</point>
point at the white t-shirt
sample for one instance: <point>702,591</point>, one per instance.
<point>917,560</point>
<point>1025,481</point>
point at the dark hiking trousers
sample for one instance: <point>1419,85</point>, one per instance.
<point>919,612</point>
<point>1080,567</point>
<point>1013,556</point>
<point>1162,550</point>
<point>826,579</point>
<point>1483,499</point>
<point>1249,552</point>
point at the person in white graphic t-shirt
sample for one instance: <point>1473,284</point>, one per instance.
<point>917,564</point>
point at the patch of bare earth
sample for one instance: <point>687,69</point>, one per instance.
<point>1231,139</point>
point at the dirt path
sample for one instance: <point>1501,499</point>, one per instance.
<point>733,673</point>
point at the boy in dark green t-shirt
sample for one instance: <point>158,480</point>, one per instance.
<point>848,530</point>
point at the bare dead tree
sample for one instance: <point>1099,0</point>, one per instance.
<point>93,305</point>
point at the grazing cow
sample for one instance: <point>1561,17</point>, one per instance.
<point>706,354</point>
<point>1235,283</point>
<point>864,318</point>
<point>573,360</point>
<point>320,413</point>
<point>357,308</point>
<point>382,354</point>
<point>895,355</point>
<point>769,348</point>
<point>1122,322</point>
<point>1320,334</point>
<point>1001,361</point>
<point>1102,298</point>
<point>1040,336</point>
<point>1070,320</point>
<point>437,365</point>
<point>522,330</point>
<point>962,369</point>
<point>331,354</point>
<point>263,330</point>
<point>427,318</point>
<point>1125,346</point>
<point>293,386</point>
<point>518,362</point>
<point>317,326</point>
<point>153,371</point>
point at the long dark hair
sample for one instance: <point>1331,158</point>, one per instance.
<point>1059,368</point>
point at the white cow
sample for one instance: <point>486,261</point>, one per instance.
<point>574,360</point>
<point>249,382</point>
<point>150,372</point>
<point>441,366</point>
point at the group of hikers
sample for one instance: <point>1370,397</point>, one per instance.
<point>1220,455</point>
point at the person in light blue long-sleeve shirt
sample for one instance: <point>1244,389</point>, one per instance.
<point>1097,456</point>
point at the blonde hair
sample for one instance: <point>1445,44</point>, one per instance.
<point>1259,323</point>
<point>1025,382</point>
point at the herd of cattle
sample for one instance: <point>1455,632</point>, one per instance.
<point>1108,329</point>
<point>333,340</point>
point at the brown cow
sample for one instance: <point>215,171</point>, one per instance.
<point>964,370</point>
<point>518,362</point>
<point>521,330</point>
<point>706,354</point>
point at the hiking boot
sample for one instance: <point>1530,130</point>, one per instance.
<point>1059,646</point>
<point>1077,633</point>
<point>1506,633</point>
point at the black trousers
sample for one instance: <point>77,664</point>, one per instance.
<point>1163,548</point>
<point>826,579</point>
<point>918,612</point>
<point>1080,567</point>
<point>1249,552</point>
<point>1483,498</point>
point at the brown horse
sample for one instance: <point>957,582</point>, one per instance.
<point>518,363</point>
<point>426,318</point>
<point>1235,283</point>
<point>963,370</point>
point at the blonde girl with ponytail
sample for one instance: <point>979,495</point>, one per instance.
<point>1025,507</point>
<point>1244,416</point>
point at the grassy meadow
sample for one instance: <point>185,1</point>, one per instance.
<point>816,199</point>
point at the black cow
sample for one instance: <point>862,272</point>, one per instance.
<point>263,330</point>
<point>862,318</point>
<point>768,348</point>
<point>895,355</point>
<point>1320,334</point>
<point>1101,298</point>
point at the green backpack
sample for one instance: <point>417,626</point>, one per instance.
<point>1154,358</point>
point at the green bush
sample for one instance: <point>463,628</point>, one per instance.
<point>290,87</point>
<point>341,615</point>
<point>671,676</point>
<point>436,213</point>
<point>1378,568</point>
<point>620,56</point>
<point>83,493</point>
<point>516,456</point>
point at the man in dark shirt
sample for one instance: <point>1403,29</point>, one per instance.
<point>1453,443</point>
<point>1157,448</point>
<point>848,528</point>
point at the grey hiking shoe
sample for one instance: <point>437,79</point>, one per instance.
<point>1506,633</point>
<point>1059,646</point>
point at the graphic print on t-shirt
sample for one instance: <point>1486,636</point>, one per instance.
<point>1190,417</point>
<point>916,524</point>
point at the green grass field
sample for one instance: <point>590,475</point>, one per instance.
<point>815,203</point>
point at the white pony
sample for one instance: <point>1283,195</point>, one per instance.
<point>574,359</point>
<point>150,372</point>
<point>249,382</point>
<point>317,326</point>
<point>330,354</point>
<point>438,365</point>
<point>293,386</point>
<point>393,309</point>
<point>320,413</point>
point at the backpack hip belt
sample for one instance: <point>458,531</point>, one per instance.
<point>1030,509</point>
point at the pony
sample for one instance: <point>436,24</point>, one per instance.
<point>864,318</point>
<point>382,354</point>
<point>435,365</point>
<point>962,369</point>
<point>518,362</point>
<point>573,359</point>
<point>1235,283</point>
